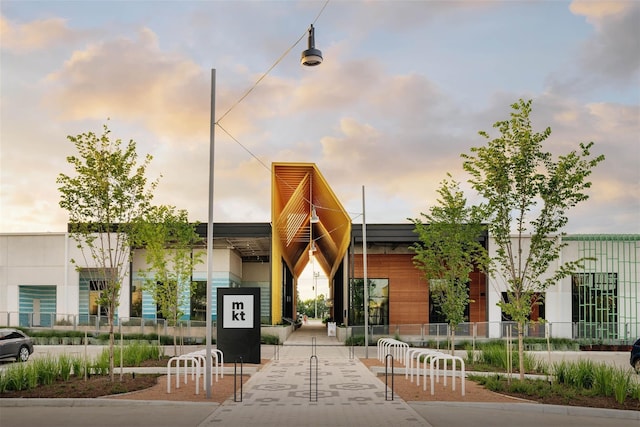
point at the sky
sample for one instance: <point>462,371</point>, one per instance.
<point>404,89</point>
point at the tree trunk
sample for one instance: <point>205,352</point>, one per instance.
<point>453,341</point>
<point>521,350</point>
<point>175,342</point>
<point>111,348</point>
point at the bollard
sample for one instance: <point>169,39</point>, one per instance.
<point>311,359</point>
<point>235,376</point>
<point>386,376</point>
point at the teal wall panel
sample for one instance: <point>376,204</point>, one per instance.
<point>47,297</point>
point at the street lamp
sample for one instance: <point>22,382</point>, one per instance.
<point>310,57</point>
<point>212,125</point>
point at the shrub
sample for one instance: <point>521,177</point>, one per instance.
<point>100,365</point>
<point>78,365</point>
<point>621,385</point>
<point>269,339</point>
<point>603,380</point>
<point>64,366</point>
<point>17,377</point>
<point>357,340</point>
<point>46,369</point>
<point>3,382</point>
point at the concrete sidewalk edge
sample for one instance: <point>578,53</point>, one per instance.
<point>537,408</point>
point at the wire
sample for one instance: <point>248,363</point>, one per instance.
<point>262,77</point>
<point>244,147</point>
<point>234,105</point>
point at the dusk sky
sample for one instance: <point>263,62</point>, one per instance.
<point>403,91</point>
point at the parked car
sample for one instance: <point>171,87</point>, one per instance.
<point>15,344</point>
<point>635,356</point>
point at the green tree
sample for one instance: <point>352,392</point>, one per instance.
<point>448,250</point>
<point>105,196</point>
<point>527,195</point>
<point>169,239</point>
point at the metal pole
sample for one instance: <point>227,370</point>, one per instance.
<point>366,286</point>
<point>207,373</point>
<point>315,284</point>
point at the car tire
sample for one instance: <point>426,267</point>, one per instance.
<point>23,354</point>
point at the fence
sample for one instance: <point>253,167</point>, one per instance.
<point>437,333</point>
<point>99,324</point>
<point>418,334</point>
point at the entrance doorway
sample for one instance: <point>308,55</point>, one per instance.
<point>314,298</point>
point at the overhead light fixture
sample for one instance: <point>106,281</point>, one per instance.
<point>312,56</point>
<point>312,249</point>
<point>314,215</point>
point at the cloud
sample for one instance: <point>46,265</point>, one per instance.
<point>132,79</point>
<point>33,36</point>
<point>596,11</point>
<point>614,50</point>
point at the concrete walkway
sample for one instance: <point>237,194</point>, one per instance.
<point>315,381</point>
<point>283,393</point>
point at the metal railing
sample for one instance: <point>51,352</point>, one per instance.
<point>435,334</point>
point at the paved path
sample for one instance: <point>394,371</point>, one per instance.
<point>329,389</point>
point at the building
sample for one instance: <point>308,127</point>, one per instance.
<point>39,286</point>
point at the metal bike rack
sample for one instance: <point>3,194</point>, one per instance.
<point>235,376</point>
<point>313,397</point>
<point>313,346</point>
<point>386,376</point>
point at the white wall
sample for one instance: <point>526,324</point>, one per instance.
<point>44,259</point>
<point>557,299</point>
<point>30,259</point>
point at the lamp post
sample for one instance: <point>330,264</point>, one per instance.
<point>310,57</point>
<point>366,285</point>
<point>212,126</point>
<point>315,285</point>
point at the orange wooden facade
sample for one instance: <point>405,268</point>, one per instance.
<point>409,292</point>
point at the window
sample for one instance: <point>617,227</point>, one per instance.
<point>537,308</point>
<point>199,301</point>
<point>136,299</point>
<point>95,289</point>
<point>594,304</point>
<point>435,314</point>
<point>378,301</point>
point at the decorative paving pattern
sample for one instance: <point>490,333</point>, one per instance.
<point>353,387</point>
<point>348,393</point>
<point>274,387</point>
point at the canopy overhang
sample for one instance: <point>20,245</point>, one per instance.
<point>307,218</point>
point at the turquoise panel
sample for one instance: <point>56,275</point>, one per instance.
<point>47,297</point>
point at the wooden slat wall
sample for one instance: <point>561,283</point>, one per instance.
<point>408,297</point>
<point>408,291</point>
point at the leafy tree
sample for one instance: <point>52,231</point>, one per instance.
<point>527,194</point>
<point>448,250</point>
<point>169,239</point>
<point>308,306</point>
<point>305,307</point>
<point>104,198</point>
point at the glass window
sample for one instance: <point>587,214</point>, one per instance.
<point>199,301</point>
<point>594,303</point>
<point>378,301</point>
<point>435,314</point>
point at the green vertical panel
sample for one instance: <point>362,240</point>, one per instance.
<point>609,295</point>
